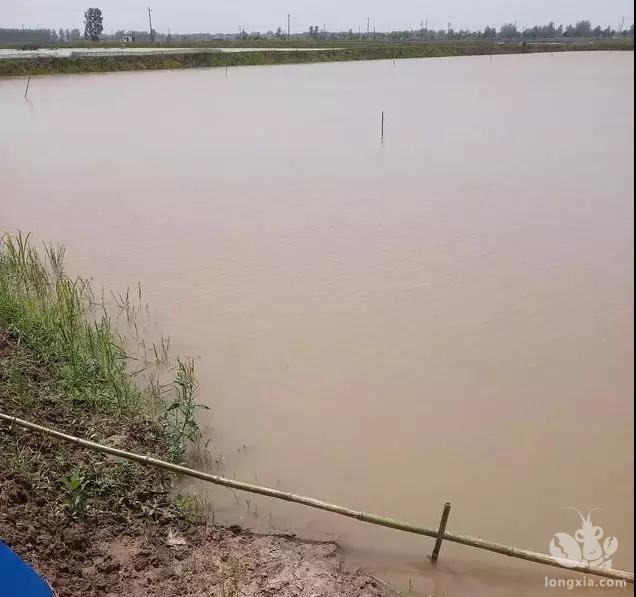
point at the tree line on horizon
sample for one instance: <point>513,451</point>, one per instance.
<point>509,31</point>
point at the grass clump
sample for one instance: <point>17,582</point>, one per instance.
<point>179,419</point>
<point>66,345</point>
<point>48,313</point>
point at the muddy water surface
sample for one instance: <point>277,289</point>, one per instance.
<point>442,315</point>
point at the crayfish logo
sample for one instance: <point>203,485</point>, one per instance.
<point>585,546</point>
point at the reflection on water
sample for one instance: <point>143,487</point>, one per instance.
<point>446,315</point>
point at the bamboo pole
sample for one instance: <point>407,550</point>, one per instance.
<point>26,91</point>
<point>442,530</point>
<point>506,550</point>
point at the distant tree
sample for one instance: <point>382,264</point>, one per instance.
<point>548,31</point>
<point>583,29</point>
<point>94,31</point>
<point>508,31</point>
<point>628,32</point>
<point>93,24</point>
<point>28,36</point>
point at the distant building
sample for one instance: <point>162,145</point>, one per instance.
<point>127,38</point>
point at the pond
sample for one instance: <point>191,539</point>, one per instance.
<point>441,314</point>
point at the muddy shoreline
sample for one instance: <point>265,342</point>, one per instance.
<point>92,525</point>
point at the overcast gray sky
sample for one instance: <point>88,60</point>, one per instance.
<point>262,15</point>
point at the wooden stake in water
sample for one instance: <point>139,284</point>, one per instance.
<point>441,530</point>
<point>26,91</point>
<point>382,126</point>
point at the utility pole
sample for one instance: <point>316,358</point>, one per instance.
<point>288,26</point>
<point>152,33</point>
<point>368,26</point>
<point>622,23</point>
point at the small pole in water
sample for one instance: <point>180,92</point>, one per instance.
<point>226,72</point>
<point>382,126</point>
<point>26,91</point>
<point>440,531</point>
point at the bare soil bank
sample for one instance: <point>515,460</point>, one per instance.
<point>93,525</point>
<point>58,65</point>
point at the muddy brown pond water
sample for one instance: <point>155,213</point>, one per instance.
<point>444,314</point>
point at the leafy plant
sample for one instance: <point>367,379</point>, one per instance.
<point>75,488</point>
<point>180,421</point>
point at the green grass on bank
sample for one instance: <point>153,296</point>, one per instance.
<point>63,332</point>
<point>346,52</point>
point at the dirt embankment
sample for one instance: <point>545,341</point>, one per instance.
<point>11,67</point>
<point>94,525</point>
